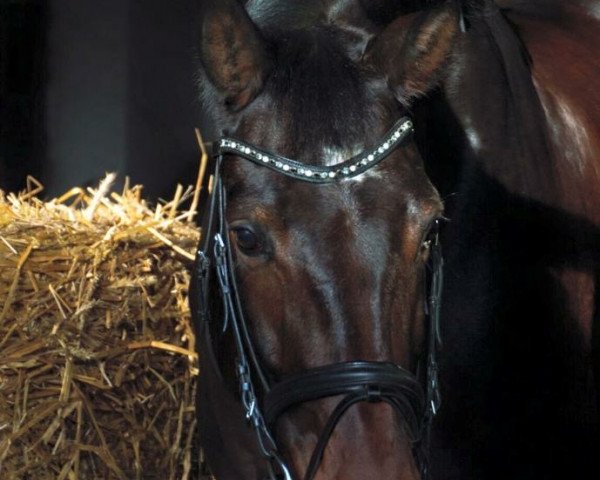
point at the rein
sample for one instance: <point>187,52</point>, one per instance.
<point>355,381</point>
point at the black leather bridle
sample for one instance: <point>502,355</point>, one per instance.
<point>356,381</point>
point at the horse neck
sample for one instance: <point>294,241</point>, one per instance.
<point>492,97</point>
<point>506,150</point>
<point>510,112</point>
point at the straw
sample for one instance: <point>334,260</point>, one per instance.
<point>97,352</point>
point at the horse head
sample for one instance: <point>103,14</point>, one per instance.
<point>327,273</point>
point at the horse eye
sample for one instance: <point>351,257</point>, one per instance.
<point>425,249</point>
<point>247,240</point>
<point>429,240</point>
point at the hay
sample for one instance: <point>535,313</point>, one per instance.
<point>97,354</point>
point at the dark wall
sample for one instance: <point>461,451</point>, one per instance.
<point>162,94</point>
<point>22,73</point>
<point>114,90</point>
<point>87,91</point>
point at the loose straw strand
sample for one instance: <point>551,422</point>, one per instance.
<point>201,173</point>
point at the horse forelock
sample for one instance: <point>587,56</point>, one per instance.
<point>327,100</point>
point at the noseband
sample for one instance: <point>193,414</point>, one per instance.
<point>355,381</point>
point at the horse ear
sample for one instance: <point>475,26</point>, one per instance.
<point>233,53</point>
<point>414,50</point>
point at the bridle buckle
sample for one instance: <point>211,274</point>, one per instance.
<point>373,393</point>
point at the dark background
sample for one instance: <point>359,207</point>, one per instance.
<point>90,86</point>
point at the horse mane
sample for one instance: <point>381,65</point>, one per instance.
<point>520,119</point>
<point>539,8</point>
<point>284,15</point>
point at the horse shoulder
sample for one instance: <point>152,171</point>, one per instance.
<point>565,68</point>
<point>566,74</point>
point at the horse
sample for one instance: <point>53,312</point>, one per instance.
<point>512,141</point>
<point>314,281</point>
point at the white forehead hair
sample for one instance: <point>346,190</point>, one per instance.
<point>334,156</point>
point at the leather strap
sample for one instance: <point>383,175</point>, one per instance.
<point>358,164</point>
<point>378,381</point>
<point>359,382</point>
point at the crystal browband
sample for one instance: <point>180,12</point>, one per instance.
<point>315,173</point>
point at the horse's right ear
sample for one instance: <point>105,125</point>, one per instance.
<point>413,51</point>
<point>233,53</point>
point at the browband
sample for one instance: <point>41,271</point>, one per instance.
<point>316,173</point>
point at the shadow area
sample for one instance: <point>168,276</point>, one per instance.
<point>520,374</point>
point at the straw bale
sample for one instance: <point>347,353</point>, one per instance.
<point>97,353</point>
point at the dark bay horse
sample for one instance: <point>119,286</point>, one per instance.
<point>507,126</point>
<point>512,141</point>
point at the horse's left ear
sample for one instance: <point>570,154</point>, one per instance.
<point>414,50</point>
